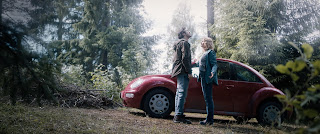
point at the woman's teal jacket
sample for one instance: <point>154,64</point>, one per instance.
<point>211,66</point>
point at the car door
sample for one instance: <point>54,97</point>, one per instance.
<point>221,93</point>
<point>195,101</point>
<point>245,84</point>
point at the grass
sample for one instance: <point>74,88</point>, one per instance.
<point>24,119</point>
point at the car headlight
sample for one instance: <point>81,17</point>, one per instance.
<point>137,83</point>
<point>129,95</point>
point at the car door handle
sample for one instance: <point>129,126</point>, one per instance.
<point>229,86</point>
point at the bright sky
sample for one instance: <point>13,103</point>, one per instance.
<point>161,11</point>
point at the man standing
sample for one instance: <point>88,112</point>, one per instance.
<point>182,70</point>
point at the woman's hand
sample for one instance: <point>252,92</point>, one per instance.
<point>211,75</point>
<point>195,60</point>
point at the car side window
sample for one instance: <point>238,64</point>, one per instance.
<point>243,74</point>
<point>224,70</point>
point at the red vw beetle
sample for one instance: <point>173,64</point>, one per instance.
<point>242,93</point>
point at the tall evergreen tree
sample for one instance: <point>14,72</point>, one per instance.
<point>109,34</point>
<point>25,73</point>
<point>284,20</point>
<point>242,28</point>
<point>302,21</point>
<point>243,35</point>
<point>302,18</point>
<point>256,32</point>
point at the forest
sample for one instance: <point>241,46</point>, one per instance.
<point>48,47</point>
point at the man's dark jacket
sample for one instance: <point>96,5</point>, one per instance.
<point>182,58</point>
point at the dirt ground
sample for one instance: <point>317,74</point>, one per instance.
<point>49,119</point>
<point>223,124</point>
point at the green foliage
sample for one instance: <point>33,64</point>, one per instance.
<point>105,80</point>
<point>80,34</point>
<point>308,50</point>
<point>305,94</point>
<point>316,65</point>
<point>25,75</point>
<point>256,32</point>
<point>101,79</point>
<point>245,31</point>
<point>300,19</point>
<point>242,32</point>
<point>74,75</point>
<point>109,34</point>
<point>108,46</point>
<point>291,67</point>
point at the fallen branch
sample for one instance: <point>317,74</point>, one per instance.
<point>85,99</point>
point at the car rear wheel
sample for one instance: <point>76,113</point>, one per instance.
<point>158,103</point>
<point>269,114</point>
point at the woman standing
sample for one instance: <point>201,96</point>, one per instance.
<point>208,76</point>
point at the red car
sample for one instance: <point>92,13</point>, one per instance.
<point>242,93</point>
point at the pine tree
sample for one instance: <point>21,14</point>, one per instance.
<point>25,73</point>
<point>242,28</point>
<point>109,34</point>
<point>243,35</point>
<point>257,32</point>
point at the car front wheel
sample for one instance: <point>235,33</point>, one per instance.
<point>269,114</point>
<point>158,103</point>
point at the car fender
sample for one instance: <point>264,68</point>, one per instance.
<point>156,82</point>
<point>261,95</point>
<point>148,83</point>
<point>163,82</point>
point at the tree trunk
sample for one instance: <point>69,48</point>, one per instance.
<point>60,13</point>
<point>104,60</point>
<point>0,12</point>
<point>210,17</point>
<point>60,29</point>
<point>210,22</point>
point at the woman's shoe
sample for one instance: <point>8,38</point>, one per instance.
<point>205,122</point>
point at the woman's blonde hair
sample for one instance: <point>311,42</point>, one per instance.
<point>209,42</point>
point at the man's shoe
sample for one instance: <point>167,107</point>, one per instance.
<point>205,122</point>
<point>180,118</point>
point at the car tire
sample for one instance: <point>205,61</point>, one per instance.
<point>241,119</point>
<point>158,103</point>
<point>269,114</point>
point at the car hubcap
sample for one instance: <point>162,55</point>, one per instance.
<point>159,103</point>
<point>271,114</point>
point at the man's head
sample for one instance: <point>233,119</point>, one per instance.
<point>184,34</point>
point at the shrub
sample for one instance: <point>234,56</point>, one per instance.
<point>306,92</point>
<point>111,81</point>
